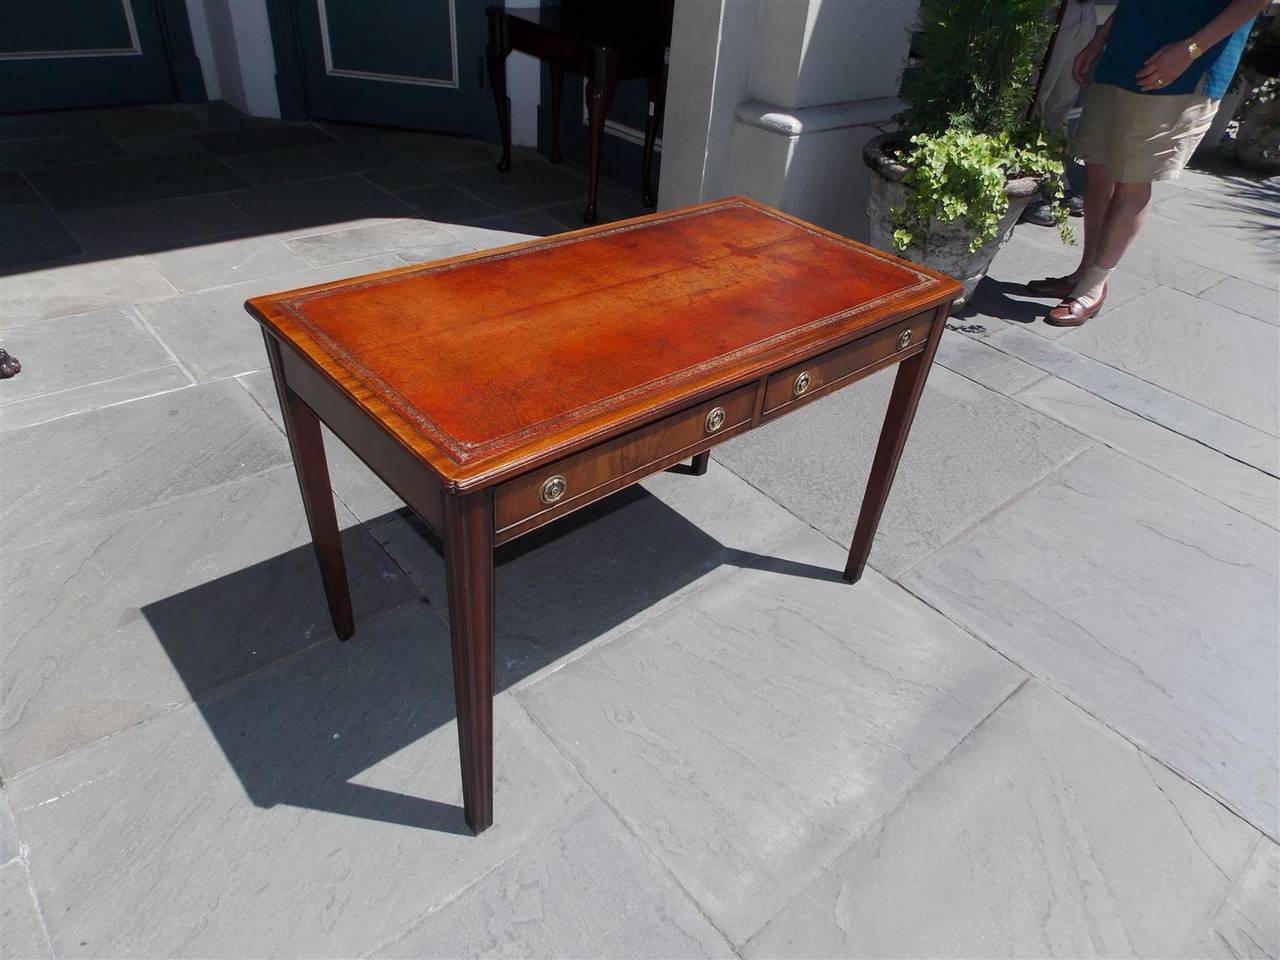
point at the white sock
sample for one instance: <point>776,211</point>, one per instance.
<point>1089,285</point>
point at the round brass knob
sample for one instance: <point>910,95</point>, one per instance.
<point>715,420</point>
<point>801,384</point>
<point>553,489</point>
<point>904,338</point>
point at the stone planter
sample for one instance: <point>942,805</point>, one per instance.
<point>946,247</point>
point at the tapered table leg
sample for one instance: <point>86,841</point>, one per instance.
<point>468,549</point>
<point>907,388</point>
<point>307,445</point>
<point>700,461</point>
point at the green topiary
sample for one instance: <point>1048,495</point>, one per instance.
<point>967,93</point>
<point>975,63</point>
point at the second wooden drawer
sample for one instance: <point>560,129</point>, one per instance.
<point>810,379</point>
<point>529,501</point>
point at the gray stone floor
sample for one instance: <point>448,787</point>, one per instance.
<point>1045,724</point>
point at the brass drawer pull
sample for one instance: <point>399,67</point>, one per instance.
<point>801,384</point>
<point>553,489</point>
<point>904,339</point>
<point>715,420</point>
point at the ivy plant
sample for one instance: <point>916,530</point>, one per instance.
<point>967,90</point>
<point>960,174</point>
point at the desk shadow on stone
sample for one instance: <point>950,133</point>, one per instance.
<point>391,684</point>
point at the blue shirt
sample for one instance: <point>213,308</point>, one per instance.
<point>1141,27</point>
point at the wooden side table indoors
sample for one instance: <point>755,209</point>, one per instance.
<point>498,391</point>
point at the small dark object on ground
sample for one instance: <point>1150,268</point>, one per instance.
<point>9,365</point>
<point>967,327</point>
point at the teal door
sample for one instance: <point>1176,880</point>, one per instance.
<point>401,63</point>
<point>81,53</point>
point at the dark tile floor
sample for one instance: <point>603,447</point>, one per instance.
<point>90,184</point>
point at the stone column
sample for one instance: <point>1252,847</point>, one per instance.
<point>775,98</point>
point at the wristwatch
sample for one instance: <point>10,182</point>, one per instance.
<point>1193,48</point>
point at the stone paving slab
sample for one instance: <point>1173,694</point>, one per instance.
<point>589,890</point>
<point>187,597</point>
<point>154,224</point>
<point>1177,268</point>
<point>76,186</point>
<point>1042,835</point>
<point>604,570</point>
<point>970,450</point>
<point>1034,252</point>
<point>1228,481</point>
<point>22,934</point>
<point>1150,605</point>
<point>301,209</point>
<point>213,336</point>
<point>1251,299</point>
<point>1231,437</point>
<point>751,732</point>
<point>342,245</point>
<point>1221,359</point>
<point>66,359</point>
<point>10,845</point>
<point>972,358</point>
<point>79,288</point>
<point>353,483</point>
<point>30,234</point>
<point>217,263</point>
<point>1249,921</point>
<point>81,471</point>
<point>312,810</point>
<point>312,161</point>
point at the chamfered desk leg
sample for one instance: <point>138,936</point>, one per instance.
<point>468,551</point>
<point>907,388</point>
<point>307,445</point>
<point>700,461</point>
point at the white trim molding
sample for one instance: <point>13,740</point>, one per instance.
<point>134,50</point>
<point>331,70</point>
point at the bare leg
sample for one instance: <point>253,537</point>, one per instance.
<point>1097,202</point>
<point>1125,216</point>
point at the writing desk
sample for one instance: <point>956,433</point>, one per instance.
<point>498,391</point>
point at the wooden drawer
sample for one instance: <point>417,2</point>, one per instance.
<point>529,501</point>
<point>810,379</point>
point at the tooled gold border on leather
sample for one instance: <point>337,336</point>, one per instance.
<point>462,452</point>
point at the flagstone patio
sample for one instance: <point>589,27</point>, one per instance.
<point>1046,723</point>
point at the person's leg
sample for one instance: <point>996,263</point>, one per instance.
<point>1098,192</point>
<point>1125,216</point>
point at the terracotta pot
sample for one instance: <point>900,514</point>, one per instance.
<point>946,245</point>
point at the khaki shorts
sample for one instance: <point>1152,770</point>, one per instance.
<point>1140,137</point>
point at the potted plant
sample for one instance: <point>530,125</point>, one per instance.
<point>948,186</point>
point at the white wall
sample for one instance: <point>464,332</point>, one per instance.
<point>775,99</point>
<point>233,41</point>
